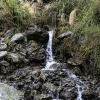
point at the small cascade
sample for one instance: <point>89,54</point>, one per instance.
<point>80,88</point>
<point>79,97</point>
<point>49,59</point>
<point>58,91</point>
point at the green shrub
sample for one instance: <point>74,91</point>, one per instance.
<point>18,17</point>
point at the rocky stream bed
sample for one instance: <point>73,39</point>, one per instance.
<point>22,59</point>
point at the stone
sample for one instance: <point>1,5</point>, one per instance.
<point>1,40</point>
<point>3,46</point>
<point>46,27</point>
<point>65,35</point>
<point>50,87</point>
<point>9,33</point>
<point>76,71</point>
<point>37,54</point>
<point>42,97</point>
<point>66,95</point>
<point>89,95</point>
<point>3,54</point>
<point>9,93</point>
<point>37,86</point>
<point>37,34</point>
<point>17,37</point>
<point>36,73</point>
<point>74,61</point>
<point>14,57</point>
<point>4,63</point>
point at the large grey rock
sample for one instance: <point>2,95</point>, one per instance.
<point>3,54</point>
<point>36,55</point>
<point>9,93</point>
<point>17,37</point>
<point>65,35</point>
<point>3,46</point>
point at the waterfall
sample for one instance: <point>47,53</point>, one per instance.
<point>49,48</point>
<point>50,61</point>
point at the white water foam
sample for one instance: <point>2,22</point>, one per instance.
<point>49,60</point>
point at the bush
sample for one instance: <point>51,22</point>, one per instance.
<point>13,15</point>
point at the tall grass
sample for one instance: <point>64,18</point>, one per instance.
<point>19,17</point>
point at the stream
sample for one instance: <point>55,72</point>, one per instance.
<point>38,76</point>
<point>50,61</point>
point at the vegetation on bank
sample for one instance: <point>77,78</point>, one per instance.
<point>83,44</point>
<point>13,15</point>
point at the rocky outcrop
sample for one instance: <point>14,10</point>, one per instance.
<point>37,34</point>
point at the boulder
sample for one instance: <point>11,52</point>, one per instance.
<point>76,71</point>
<point>4,63</point>
<point>50,87</point>
<point>36,55</point>
<point>3,46</point>
<point>37,34</point>
<point>46,27</point>
<point>65,35</point>
<point>74,61</point>
<point>17,37</point>
<point>9,93</point>
<point>14,57</point>
<point>36,73</point>
<point>9,33</point>
<point>89,95</point>
<point>3,54</point>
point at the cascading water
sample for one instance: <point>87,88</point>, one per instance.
<point>79,88</point>
<point>79,97</point>
<point>50,61</point>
